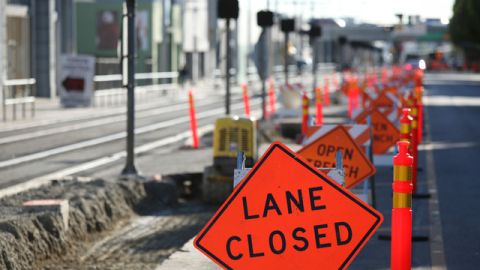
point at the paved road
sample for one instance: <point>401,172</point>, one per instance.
<point>453,105</point>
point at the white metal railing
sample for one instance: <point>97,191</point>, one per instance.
<point>18,92</point>
<point>117,95</point>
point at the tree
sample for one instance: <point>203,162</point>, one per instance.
<point>465,27</point>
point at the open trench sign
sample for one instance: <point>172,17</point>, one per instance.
<point>385,134</point>
<point>286,214</point>
<point>322,151</point>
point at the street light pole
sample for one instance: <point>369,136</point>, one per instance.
<point>130,170</point>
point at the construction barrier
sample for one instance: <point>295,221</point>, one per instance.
<point>414,141</point>
<point>246,100</point>
<point>326,93</point>
<point>401,245</point>
<point>305,106</point>
<point>319,106</point>
<point>271,97</point>
<point>193,120</point>
<point>405,125</point>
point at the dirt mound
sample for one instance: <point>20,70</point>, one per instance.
<point>30,236</point>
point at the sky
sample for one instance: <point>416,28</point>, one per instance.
<point>372,11</point>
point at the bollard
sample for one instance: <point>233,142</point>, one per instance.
<point>401,246</point>
<point>318,105</point>
<point>246,100</point>
<point>418,98</point>
<point>356,97</point>
<point>271,97</point>
<point>193,120</point>
<point>350,102</point>
<point>414,143</point>
<point>335,82</point>
<point>305,106</point>
<point>405,125</point>
<point>384,75</point>
<point>327,92</point>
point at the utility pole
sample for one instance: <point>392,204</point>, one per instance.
<point>128,71</point>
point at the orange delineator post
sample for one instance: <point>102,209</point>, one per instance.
<point>193,120</point>
<point>414,141</point>
<point>246,100</point>
<point>271,97</point>
<point>356,97</point>
<point>418,97</point>
<point>350,102</point>
<point>318,105</point>
<point>384,75</point>
<point>335,82</point>
<point>326,92</point>
<point>305,106</point>
<point>401,245</point>
<point>405,125</point>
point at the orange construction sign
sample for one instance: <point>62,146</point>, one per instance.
<point>286,214</point>
<point>322,151</point>
<point>382,101</point>
<point>385,134</point>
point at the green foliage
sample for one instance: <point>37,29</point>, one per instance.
<point>465,24</point>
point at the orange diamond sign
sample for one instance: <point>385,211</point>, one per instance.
<point>385,134</point>
<point>285,214</point>
<point>321,154</point>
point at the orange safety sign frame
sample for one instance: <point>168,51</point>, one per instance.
<point>385,133</point>
<point>322,151</point>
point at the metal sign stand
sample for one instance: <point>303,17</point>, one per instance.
<point>337,173</point>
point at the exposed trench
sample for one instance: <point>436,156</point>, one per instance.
<point>111,224</point>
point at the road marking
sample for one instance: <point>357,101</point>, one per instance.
<point>436,236</point>
<point>96,123</point>
<point>113,137</point>
<point>458,101</point>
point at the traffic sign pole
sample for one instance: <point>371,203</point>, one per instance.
<point>401,245</point>
<point>130,169</point>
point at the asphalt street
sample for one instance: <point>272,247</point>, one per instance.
<point>453,107</point>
